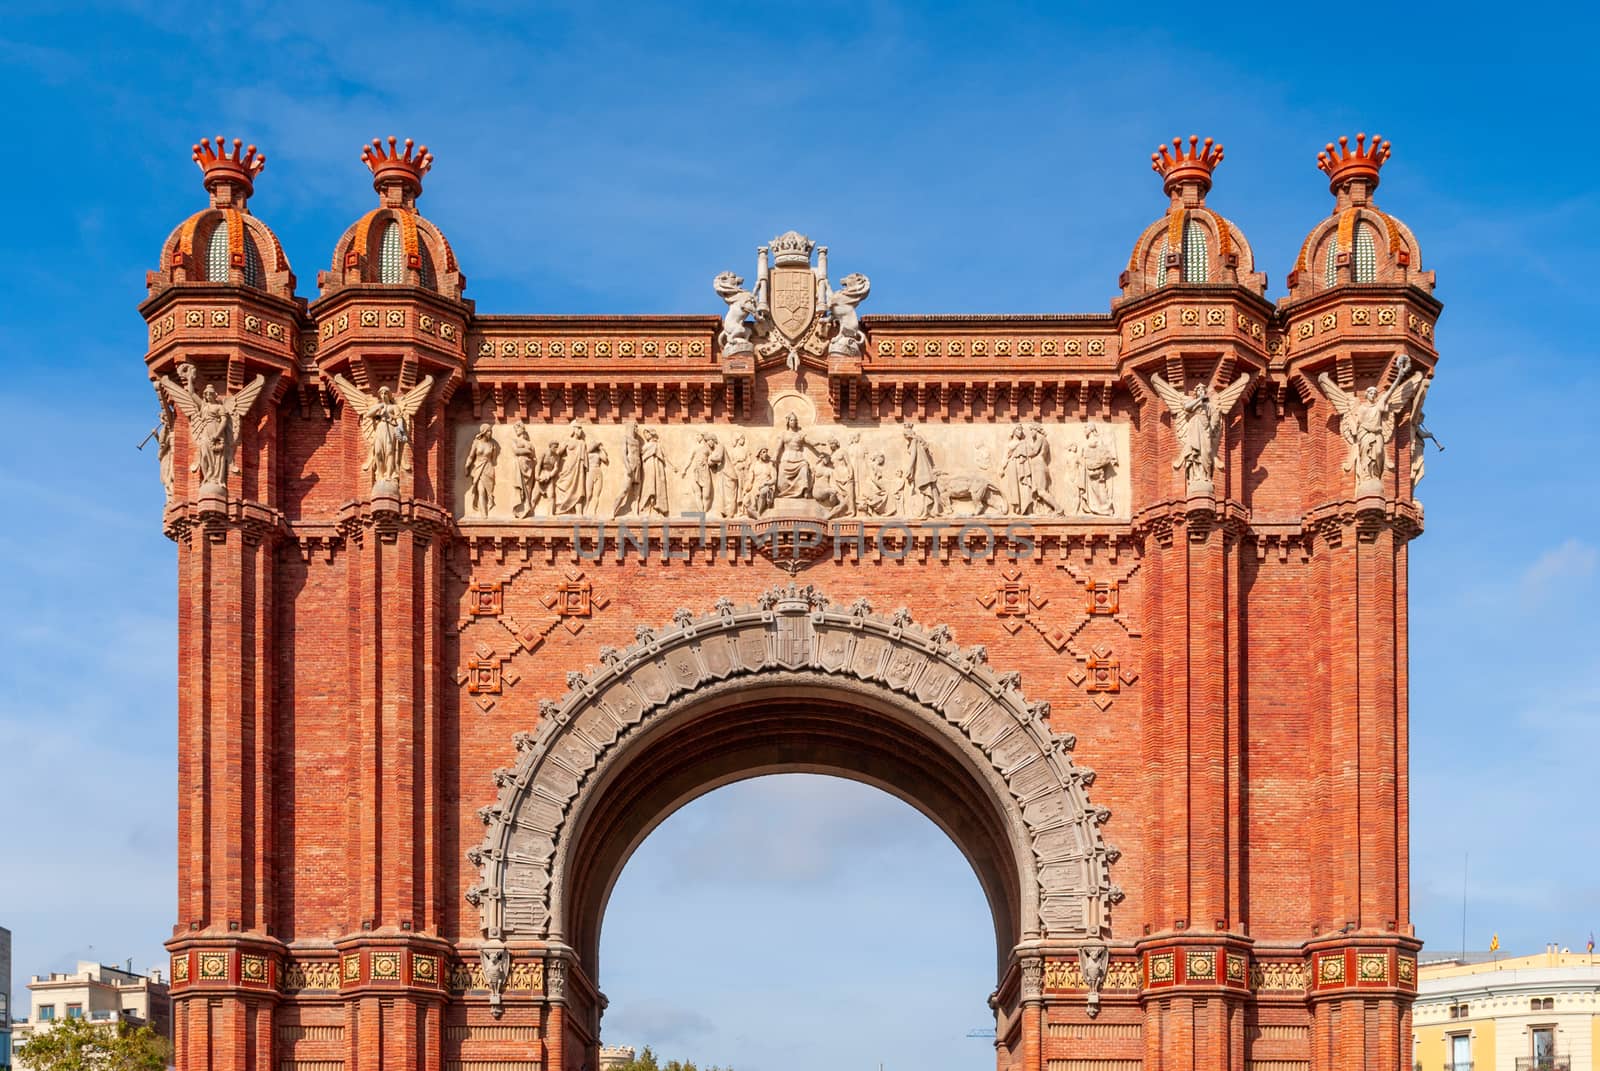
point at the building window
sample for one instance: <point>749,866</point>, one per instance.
<point>217,253</point>
<point>1458,1011</point>
<point>1460,1052</point>
<point>1542,1004</point>
<point>390,259</point>
<point>1196,257</point>
<point>429,279</point>
<point>74,1011</point>
<point>253,275</point>
<point>1366,266</point>
<point>46,1012</point>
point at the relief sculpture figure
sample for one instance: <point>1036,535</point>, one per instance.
<point>386,427</point>
<point>1198,421</point>
<point>527,457</point>
<point>763,484</point>
<point>794,464</point>
<point>653,489</point>
<point>1099,470</point>
<point>922,496</point>
<point>1367,422</point>
<point>632,470</point>
<point>572,479</point>
<point>481,458</point>
<point>214,424</point>
<point>698,472</point>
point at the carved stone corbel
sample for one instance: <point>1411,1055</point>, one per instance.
<point>496,961</point>
<point>1093,959</point>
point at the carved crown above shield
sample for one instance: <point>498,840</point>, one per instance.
<point>792,249</point>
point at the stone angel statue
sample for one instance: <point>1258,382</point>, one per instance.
<point>1198,420</point>
<point>386,427</point>
<point>1367,422</point>
<point>738,335</point>
<point>214,423</point>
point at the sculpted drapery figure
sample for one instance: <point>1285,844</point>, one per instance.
<point>1198,419</point>
<point>653,489</point>
<point>162,434</point>
<point>923,496</point>
<point>214,423</point>
<point>527,456</point>
<point>1099,469</point>
<point>386,427</point>
<point>1367,423</point>
<point>794,464</point>
<point>572,478</point>
<point>481,458</point>
<point>763,484</point>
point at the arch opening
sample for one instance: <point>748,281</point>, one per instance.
<point>798,920</point>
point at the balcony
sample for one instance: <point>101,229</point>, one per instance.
<point>1460,1065</point>
<point>1544,1063</point>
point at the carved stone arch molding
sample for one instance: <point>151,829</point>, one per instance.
<point>789,635</point>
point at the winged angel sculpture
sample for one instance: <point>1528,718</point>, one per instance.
<point>214,423</point>
<point>1367,422</point>
<point>386,427</point>
<point>1198,420</point>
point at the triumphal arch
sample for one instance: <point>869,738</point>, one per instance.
<point>469,603</point>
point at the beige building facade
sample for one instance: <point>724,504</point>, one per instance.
<point>1523,1013</point>
<point>97,993</point>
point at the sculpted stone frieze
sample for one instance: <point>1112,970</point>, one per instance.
<point>1067,885</point>
<point>792,467</point>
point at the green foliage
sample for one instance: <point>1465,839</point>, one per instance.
<point>646,1061</point>
<point>81,1045</point>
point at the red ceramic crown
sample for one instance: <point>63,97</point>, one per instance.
<point>389,165</point>
<point>236,168</point>
<point>1342,165</point>
<point>1194,164</point>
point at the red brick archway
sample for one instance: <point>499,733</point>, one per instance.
<point>428,703</point>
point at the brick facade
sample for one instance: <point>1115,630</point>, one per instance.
<point>355,656</point>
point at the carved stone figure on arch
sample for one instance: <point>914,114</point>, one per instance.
<point>1367,423</point>
<point>215,422</point>
<point>1198,420</point>
<point>481,458</point>
<point>1099,471</point>
<point>386,428</point>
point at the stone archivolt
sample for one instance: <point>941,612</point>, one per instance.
<point>791,629</point>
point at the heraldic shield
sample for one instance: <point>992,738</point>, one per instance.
<point>794,301</point>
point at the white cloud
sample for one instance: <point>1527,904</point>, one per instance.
<point>1572,560</point>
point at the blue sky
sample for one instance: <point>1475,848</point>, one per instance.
<point>981,157</point>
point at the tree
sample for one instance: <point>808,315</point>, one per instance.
<point>80,1045</point>
<point>646,1061</point>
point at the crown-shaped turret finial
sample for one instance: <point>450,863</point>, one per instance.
<point>233,169</point>
<point>1342,165</point>
<point>1179,165</point>
<point>391,167</point>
